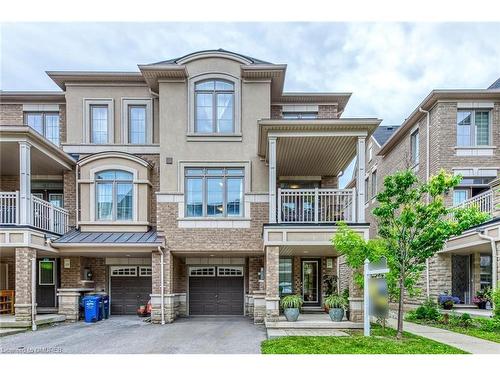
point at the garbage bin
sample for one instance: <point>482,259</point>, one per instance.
<point>105,306</point>
<point>91,305</point>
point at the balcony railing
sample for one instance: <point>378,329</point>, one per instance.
<point>483,201</point>
<point>316,205</point>
<point>44,215</point>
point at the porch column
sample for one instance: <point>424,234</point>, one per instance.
<point>272,283</point>
<point>272,179</point>
<point>360,183</point>
<point>24,284</point>
<point>168,294</point>
<point>24,183</point>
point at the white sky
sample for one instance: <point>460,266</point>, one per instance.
<point>389,67</point>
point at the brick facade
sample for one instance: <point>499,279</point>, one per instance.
<point>9,183</point>
<point>276,112</point>
<point>72,277</point>
<point>254,266</point>
<point>328,111</point>
<point>24,257</point>
<point>11,114</point>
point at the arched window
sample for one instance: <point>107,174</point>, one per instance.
<point>214,107</point>
<point>114,191</point>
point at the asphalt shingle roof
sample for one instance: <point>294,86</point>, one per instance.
<point>383,133</point>
<point>495,85</point>
<point>75,236</point>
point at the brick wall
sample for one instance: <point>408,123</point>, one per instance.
<point>328,111</point>
<point>276,112</point>
<point>62,124</point>
<point>211,239</point>
<point>254,266</point>
<point>69,190</point>
<point>11,114</point>
<point>24,256</point>
<point>330,182</point>
<point>72,277</point>
<point>180,275</point>
<point>9,183</point>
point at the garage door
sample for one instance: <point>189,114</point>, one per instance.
<point>216,291</point>
<point>130,288</point>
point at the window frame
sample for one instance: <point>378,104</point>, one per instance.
<point>473,127</point>
<point>53,272</point>
<point>290,261</point>
<point>460,189</point>
<point>373,184</point>
<point>44,123</point>
<point>57,194</point>
<point>205,176</point>
<point>87,104</point>
<point>214,94</point>
<point>114,201</point>
<point>125,119</point>
<point>415,148</point>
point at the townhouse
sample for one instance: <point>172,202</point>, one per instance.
<point>196,182</point>
<point>458,131</point>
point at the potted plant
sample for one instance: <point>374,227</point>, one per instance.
<point>329,287</point>
<point>291,306</point>
<point>345,294</point>
<point>482,297</point>
<point>447,301</point>
<point>336,305</point>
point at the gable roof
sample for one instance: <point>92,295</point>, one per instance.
<point>495,85</point>
<point>383,133</point>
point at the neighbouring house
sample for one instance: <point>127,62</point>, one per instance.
<point>458,131</point>
<point>196,182</point>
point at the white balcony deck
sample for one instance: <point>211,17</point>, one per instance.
<point>316,205</point>
<point>44,215</point>
<point>483,201</point>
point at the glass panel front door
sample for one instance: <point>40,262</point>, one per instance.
<point>310,284</point>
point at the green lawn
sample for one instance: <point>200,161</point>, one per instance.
<point>381,342</point>
<point>471,331</point>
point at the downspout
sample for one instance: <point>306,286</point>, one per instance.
<point>427,177</point>
<point>77,220</point>
<point>162,285</point>
<point>33,294</point>
<point>494,257</point>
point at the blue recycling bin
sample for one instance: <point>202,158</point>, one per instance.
<point>92,308</point>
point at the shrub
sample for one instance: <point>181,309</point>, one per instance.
<point>291,302</point>
<point>427,311</point>
<point>488,325</point>
<point>495,298</point>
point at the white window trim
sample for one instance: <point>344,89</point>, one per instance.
<point>145,271</point>
<point>239,270</point>
<point>87,126</point>
<point>117,268</point>
<point>135,193</point>
<point>473,127</point>
<point>53,273</point>
<point>412,134</point>
<point>211,268</point>
<point>126,102</point>
<point>191,106</point>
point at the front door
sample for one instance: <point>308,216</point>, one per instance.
<point>460,277</point>
<point>310,282</point>
<point>46,283</point>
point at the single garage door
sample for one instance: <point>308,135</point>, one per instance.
<point>130,288</point>
<point>216,291</point>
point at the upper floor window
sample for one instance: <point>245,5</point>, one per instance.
<point>114,191</point>
<point>370,152</point>
<point>300,115</point>
<point>374,183</point>
<point>460,195</point>
<point>137,124</point>
<point>415,148</point>
<point>214,192</point>
<point>214,107</point>
<point>99,123</point>
<point>473,128</point>
<point>45,123</point>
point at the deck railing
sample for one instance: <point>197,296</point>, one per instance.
<point>44,215</point>
<point>483,201</point>
<point>316,205</point>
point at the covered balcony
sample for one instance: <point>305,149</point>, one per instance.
<point>26,159</point>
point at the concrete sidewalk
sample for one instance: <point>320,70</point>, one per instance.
<point>470,344</point>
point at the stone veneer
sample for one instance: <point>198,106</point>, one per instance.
<point>23,303</point>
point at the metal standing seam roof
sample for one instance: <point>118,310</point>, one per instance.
<point>76,236</point>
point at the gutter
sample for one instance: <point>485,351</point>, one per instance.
<point>427,177</point>
<point>494,257</point>
<point>162,284</point>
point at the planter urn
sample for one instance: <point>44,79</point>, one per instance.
<point>336,314</point>
<point>291,314</point>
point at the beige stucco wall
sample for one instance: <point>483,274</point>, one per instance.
<point>255,105</point>
<point>75,96</point>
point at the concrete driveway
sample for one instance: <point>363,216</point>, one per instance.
<point>129,334</point>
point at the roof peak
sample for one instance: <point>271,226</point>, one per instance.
<point>179,60</point>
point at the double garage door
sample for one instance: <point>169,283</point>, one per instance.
<point>130,288</point>
<point>216,290</point>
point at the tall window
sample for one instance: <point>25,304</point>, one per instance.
<point>485,271</point>
<point>285,276</point>
<point>45,123</point>
<point>367,194</point>
<point>114,191</point>
<point>374,183</point>
<point>99,123</point>
<point>415,149</point>
<point>214,103</point>
<point>137,124</point>
<point>473,128</point>
<point>460,195</point>
<point>214,192</point>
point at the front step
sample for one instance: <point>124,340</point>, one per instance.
<point>459,306</point>
<point>312,310</point>
<point>40,319</point>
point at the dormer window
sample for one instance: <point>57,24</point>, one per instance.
<point>214,107</point>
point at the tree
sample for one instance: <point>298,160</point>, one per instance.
<point>413,225</point>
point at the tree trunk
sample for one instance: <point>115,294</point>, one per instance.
<point>399,334</point>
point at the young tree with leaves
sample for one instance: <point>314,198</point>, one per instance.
<point>413,225</point>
